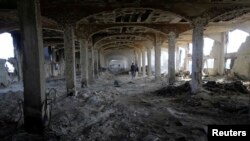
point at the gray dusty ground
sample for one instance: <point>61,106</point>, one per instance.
<point>134,111</point>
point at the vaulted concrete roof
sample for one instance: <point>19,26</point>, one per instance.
<point>98,19</point>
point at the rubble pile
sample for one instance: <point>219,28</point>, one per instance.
<point>174,90</point>
<point>10,115</point>
<point>9,106</point>
<point>235,86</point>
<point>107,76</point>
<point>76,115</point>
<point>231,106</point>
<point>103,112</point>
<point>183,74</point>
<point>4,77</point>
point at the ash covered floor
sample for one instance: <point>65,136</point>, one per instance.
<point>136,110</point>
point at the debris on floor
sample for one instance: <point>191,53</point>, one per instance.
<point>172,90</point>
<point>235,86</point>
<point>143,111</point>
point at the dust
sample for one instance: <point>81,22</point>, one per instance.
<point>137,110</point>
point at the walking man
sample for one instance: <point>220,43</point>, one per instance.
<point>133,70</point>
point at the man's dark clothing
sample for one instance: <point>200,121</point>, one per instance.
<point>133,68</point>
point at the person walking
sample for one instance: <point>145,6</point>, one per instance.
<point>133,70</point>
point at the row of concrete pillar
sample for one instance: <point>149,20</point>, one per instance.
<point>33,74</point>
<point>197,56</point>
<point>157,47</point>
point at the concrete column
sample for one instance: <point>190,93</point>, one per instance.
<point>91,65</point>
<point>171,58</point>
<point>96,63</point>
<point>69,51</point>
<point>33,66</point>
<point>222,52</point>
<point>53,61</point>
<point>61,62</point>
<point>143,62</point>
<point>197,55</point>
<point>177,58</point>
<point>157,58</point>
<point>18,51</point>
<point>84,62</point>
<point>93,62</point>
<point>185,67</point>
<point>149,61</point>
<point>136,62</point>
<point>102,61</point>
<point>136,57</point>
<point>99,60</point>
<point>139,61</point>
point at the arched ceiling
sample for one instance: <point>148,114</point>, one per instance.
<point>127,31</point>
<point>125,53</point>
<point>133,15</point>
<point>119,38</point>
<point>114,48</point>
<point>84,8</point>
<point>117,44</point>
<point>103,18</point>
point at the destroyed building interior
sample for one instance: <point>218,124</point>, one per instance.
<point>72,78</point>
